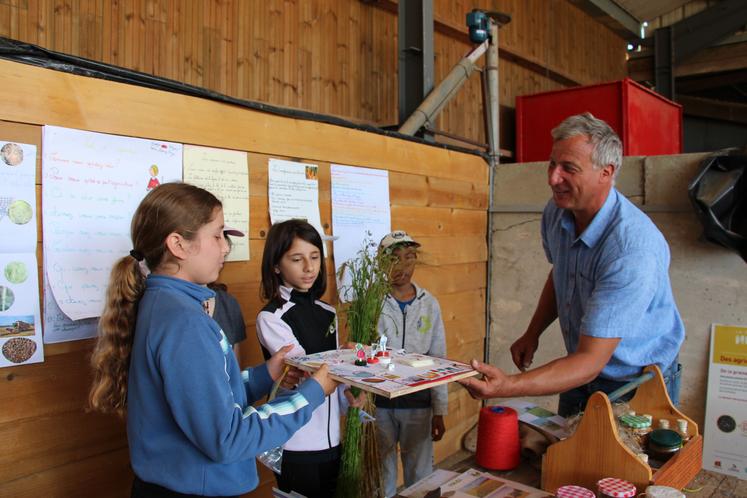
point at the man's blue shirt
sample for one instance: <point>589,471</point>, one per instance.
<point>613,281</point>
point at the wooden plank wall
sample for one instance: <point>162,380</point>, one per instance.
<point>330,56</point>
<point>51,446</point>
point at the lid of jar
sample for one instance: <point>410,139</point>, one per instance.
<point>618,488</point>
<point>635,421</point>
<point>665,438</point>
<point>571,491</point>
<point>663,492</point>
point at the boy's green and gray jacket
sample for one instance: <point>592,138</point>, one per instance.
<point>419,329</point>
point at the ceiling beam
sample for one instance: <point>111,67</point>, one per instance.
<point>625,18</point>
<point>713,109</point>
<point>612,15</point>
<point>707,27</point>
<point>699,83</point>
<point>720,58</point>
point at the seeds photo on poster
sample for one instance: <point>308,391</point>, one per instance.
<point>726,423</point>
<point>19,349</point>
<point>7,298</point>
<point>16,272</point>
<point>20,212</point>
<point>12,154</point>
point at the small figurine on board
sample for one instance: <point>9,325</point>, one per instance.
<point>382,353</point>
<point>372,357</point>
<point>360,355</point>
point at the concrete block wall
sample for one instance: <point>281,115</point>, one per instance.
<point>709,282</point>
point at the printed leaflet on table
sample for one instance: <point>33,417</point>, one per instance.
<point>543,420</point>
<point>475,483</point>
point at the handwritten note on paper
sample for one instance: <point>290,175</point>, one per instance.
<point>58,327</point>
<point>20,323</point>
<point>93,183</point>
<point>293,191</point>
<point>360,205</point>
<point>225,173</point>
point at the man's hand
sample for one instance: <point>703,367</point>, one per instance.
<point>523,349</point>
<point>438,429</point>
<point>492,385</point>
<point>355,401</point>
<point>276,364</point>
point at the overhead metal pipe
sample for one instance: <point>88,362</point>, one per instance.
<point>440,96</point>
<point>493,95</point>
<point>492,132</point>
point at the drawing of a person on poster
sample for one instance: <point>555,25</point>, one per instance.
<point>153,182</point>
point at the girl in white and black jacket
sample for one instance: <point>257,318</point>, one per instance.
<point>293,280</point>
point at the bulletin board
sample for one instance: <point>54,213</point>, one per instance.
<point>440,196</point>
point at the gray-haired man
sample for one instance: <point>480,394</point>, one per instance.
<point>609,285</point>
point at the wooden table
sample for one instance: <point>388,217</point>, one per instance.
<point>705,484</point>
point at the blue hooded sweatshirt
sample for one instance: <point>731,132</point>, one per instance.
<point>190,424</point>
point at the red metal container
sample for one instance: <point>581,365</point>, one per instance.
<point>647,123</point>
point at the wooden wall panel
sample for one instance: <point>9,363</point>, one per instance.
<point>52,446</point>
<point>334,57</point>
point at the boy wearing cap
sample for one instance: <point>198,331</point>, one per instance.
<point>411,320</point>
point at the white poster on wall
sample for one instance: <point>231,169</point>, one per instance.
<point>360,212</point>
<point>293,192</point>
<point>93,182</point>
<point>20,323</point>
<point>224,173</point>
<point>725,427</point>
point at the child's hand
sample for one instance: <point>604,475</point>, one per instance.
<point>276,364</point>
<point>322,377</point>
<point>437,427</point>
<point>355,401</point>
<point>292,378</point>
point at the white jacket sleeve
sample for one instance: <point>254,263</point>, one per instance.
<point>273,333</point>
